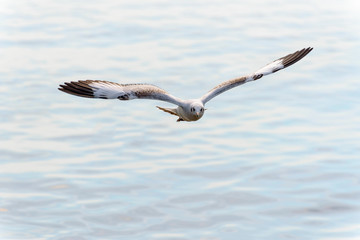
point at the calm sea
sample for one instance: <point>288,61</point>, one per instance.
<point>274,159</point>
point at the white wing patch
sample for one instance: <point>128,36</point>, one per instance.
<point>271,68</point>
<point>108,90</point>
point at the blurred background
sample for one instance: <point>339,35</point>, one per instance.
<point>273,159</point>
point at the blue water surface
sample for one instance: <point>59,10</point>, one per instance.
<point>273,159</point>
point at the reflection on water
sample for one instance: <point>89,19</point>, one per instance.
<point>273,159</point>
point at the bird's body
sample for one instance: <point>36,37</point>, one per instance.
<point>191,110</point>
<point>187,110</point>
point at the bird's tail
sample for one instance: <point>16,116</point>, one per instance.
<point>171,111</point>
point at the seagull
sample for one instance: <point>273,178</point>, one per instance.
<point>187,110</point>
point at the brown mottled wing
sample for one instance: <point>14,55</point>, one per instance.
<point>111,90</point>
<point>272,67</point>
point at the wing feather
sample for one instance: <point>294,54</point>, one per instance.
<point>272,67</point>
<point>111,90</point>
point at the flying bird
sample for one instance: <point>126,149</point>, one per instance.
<point>187,110</point>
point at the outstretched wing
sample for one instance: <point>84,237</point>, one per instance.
<point>268,69</point>
<point>111,90</point>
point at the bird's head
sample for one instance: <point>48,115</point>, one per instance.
<point>197,110</point>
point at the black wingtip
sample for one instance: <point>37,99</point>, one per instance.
<point>77,88</point>
<point>295,57</point>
